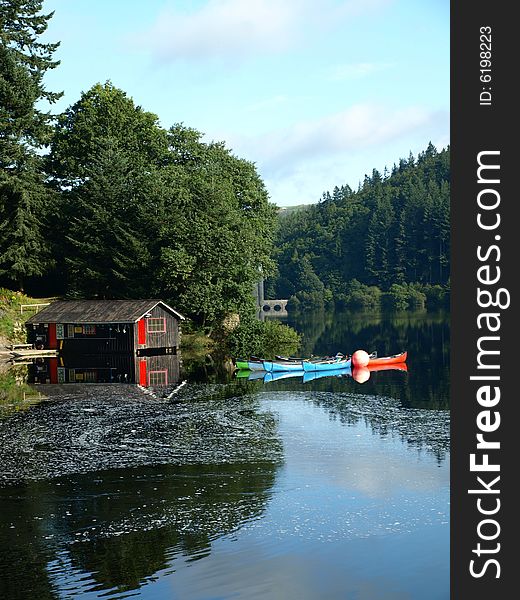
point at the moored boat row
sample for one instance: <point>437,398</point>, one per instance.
<point>339,361</point>
<point>361,374</point>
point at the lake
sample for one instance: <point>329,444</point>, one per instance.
<point>219,487</point>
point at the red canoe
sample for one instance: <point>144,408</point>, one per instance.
<point>388,360</point>
<point>394,367</point>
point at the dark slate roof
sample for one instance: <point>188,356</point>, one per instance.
<point>98,311</point>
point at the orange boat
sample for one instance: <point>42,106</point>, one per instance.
<point>388,360</point>
<point>393,367</point>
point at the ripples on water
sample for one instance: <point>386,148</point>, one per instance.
<point>99,427</point>
<point>107,491</point>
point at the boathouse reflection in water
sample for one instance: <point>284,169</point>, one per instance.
<point>146,371</point>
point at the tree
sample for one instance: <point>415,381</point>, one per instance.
<point>103,112</point>
<point>23,63</point>
<point>24,129</point>
<point>24,250</point>
<point>217,231</point>
<point>106,248</point>
<point>150,212</point>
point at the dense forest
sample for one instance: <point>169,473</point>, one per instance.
<point>102,202</point>
<point>389,241</point>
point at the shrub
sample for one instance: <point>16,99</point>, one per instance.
<point>309,300</point>
<point>262,338</point>
<point>403,296</point>
<point>436,295</point>
<point>359,295</point>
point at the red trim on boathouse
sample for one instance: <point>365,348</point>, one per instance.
<point>142,373</point>
<point>53,370</point>
<point>141,331</point>
<point>52,340</point>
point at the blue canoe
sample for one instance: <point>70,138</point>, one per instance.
<point>307,365</point>
<point>282,365</point>
<point>305,376</point>
<point>326,365</point>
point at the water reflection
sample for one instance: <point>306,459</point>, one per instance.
<point>147,371</point>
<point>359,374</point>
<point>113,530</point>
<point>80,502</point>
<point>425,335</point>
<point>224,487</point>
<point>420,429</point>
<point>92,427</point>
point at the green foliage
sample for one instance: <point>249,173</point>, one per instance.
<point>11,317</point>
<point>25,200</point>
<point>394,229</point>
<point>403,296</point>
<point>437,296</point>
<point>104,113</point>
<point>360,296</point>
<point>24,211</point>
<point>262,338</point>
<point>150,212</point>
<point>13,390</point>
<point>24,61</point>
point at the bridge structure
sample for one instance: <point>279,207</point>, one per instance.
<point>276,307</point>
<point>265,307</point>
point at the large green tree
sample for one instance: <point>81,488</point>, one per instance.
<point>106,246</point>
<point>147,211</point>
<point>24,130</point>
<point>104,112</point>
<point>218,235</point>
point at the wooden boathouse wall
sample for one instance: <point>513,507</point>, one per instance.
<point>106,326</point>
<point>157,329</point>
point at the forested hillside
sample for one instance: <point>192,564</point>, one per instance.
<point>389,241</point>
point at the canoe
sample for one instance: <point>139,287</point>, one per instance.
<point>391,367</point>
<point>326,365</point>
<point>249,365</point>
<point>307,376</point>
<point>388,360</point>
<point>282,365</point>
<point>257,364</point>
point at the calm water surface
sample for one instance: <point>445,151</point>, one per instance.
<point>239,489</point>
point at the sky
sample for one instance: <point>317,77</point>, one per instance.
<point>316,94</point>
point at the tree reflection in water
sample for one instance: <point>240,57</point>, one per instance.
<point>114,529</point>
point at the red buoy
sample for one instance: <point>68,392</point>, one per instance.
<point>360,358</point>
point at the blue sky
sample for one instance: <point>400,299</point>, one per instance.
<point>316,94</point>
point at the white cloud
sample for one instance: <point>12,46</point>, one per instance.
<point>224,28</point>
<point>358,127</point>
<point>302,161</point>
<point>238,28</point>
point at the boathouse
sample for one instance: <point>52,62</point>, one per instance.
<point>99,326</point>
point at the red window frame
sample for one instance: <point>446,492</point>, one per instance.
<point>155,320</point>
<point>164,377</point>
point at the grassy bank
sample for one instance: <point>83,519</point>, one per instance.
<point>12,317</point>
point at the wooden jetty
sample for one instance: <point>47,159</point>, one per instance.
<point>32,352</point>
